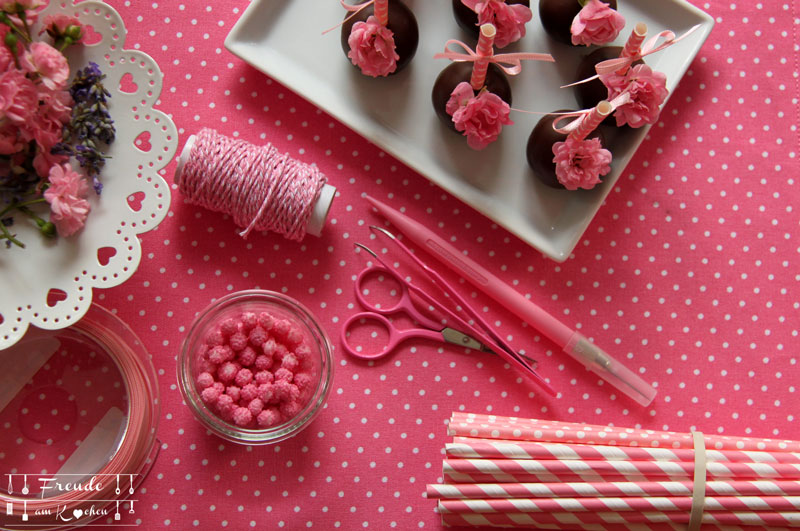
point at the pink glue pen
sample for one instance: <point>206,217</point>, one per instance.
<point>571,341</point>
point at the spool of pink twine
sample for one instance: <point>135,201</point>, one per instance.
<point>261,188</point>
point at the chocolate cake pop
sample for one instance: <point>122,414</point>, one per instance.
<point>557,16</point>
<point>402,23</point>
<point>467,19</point>
<point>539,150</point>
<point>496,83</point>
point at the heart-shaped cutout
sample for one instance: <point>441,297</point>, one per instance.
<point>77,513</point>
<point>90,36</point>
<point>105,254</point>
<point>55,295</point>
<point>127,84</point>
<point>142,142</point>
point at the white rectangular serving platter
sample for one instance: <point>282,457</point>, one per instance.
<point>283,39</point>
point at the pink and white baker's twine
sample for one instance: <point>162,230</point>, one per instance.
<point>510,63</point>
<point>261,188</point>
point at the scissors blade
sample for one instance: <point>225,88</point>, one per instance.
<point>452,335</point>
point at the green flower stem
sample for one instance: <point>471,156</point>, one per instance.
<point>8,236</point>
<point>21,206</point>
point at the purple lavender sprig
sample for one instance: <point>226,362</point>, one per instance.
<point>91,126</point>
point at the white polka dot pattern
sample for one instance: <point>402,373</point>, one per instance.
<point>688,274</point>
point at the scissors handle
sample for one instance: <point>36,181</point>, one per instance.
<point>396,336</point>
<point>403,304</point>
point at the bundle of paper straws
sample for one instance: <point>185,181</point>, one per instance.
<point>515,472</point>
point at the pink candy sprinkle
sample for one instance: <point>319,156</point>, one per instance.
<point>205,379</point>
<point>303,353</point>
<point>269,347</point>
<point>249,392</point>
<point>281,389</point>
<point>295,336</point>
<point>263,362</point>
<point>227,372</point>
<point>266,392</point>
<point>242,416</point>
<point>220,354</point>
<point>290,409</point>
<point>268,417</point>
<point>243,377</point>
<point>290,362</point>
<point>266,321</point>
<point>233,392</point>
<point>247,357</point>
<point>281,329</point>
<point>224,402</point>
<point>249,321</point>
<point>257,336</point>
<point>219,386</point>
<point>283,374</point>
<point>238,341</point>
<point>263,377</point>
<point>255,406</point>
<point>214,338</point>
<point>210,395</point>
<point>302,380</point>
<point>229,327</point>
<point>280,352</point>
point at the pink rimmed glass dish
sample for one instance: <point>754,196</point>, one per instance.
<point>319,364</point>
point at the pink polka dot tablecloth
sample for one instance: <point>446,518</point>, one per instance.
<point>689,274</point>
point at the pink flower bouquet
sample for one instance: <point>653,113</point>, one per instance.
<point>45,121</point>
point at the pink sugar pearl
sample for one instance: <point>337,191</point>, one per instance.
<point>247,357</point>
<point>249,321</point>
<point>283,390</point>
<point>243,377</point>
<point>249,392</point>
<point>205,379</point>
<point>224,402</point>
<point>302,353</point>
<point>281,329</point>
<point>219,386</point>
<point>268,418</point>
<point>263,362</point>
<point>214,338</point>
<point>227,372</point>
<point>229,327</point>
<point>266,392</point>
<point>255,406</point>
<point>238,341</point>
<point>280,352</point>
<point>210,395</point>
<point>290,362</point>
<point>257,336</point>
<point>233,392</point>
<point>295,336</point>
<point>205,365</point>
<point>302,380</point>
<point>290,409</point>
<point>269,347</point>
<point>220,354</point>
<point>242,416</point>
<point>283,375</point>
<point>266,321</point>
<point>263,377</point>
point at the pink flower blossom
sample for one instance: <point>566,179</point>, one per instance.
<point>596,23</point>
<point>580,163</point>
<point>647,89</point>
<point>12,6</point>
<point>67,197</point>
<point>6,57</point>
<point>372,48</point>
<point>509,19</point>
<point>49,63</point>
<point>18,101</point>
<point>59,23</point>
<point>481,118</point>
<point>10,142</point>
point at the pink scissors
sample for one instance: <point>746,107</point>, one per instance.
<point>428,327</point>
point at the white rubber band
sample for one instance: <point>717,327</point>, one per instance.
<point>699,484</point>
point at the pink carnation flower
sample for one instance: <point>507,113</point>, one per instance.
<point>481,118</point>
<point>509,19</point>
<point>580,163</point>
<point>67,197</point>
<point>6,57</point>
<point>10,141</point>
<point>596,23</point>
<point>18,100</point>
<point>59,23</point>
<point>372,48</point>
<point>49,63</point>
<point>647,89</point>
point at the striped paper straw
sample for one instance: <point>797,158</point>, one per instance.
<point>660,504</point>
<point>485,48</point>
<point>487,448</point>
<point>610,489</point>
<point>381,8</point>
<point>521,470</point>
<point>634,44</point>
<point>513,428</point>
<point>589,122</point>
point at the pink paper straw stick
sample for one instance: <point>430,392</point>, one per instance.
<point>634,44</point>
<point>513,428</point>
<point>648,504</point>
<point>497,449</point>
<point>521,470</point>
<point>382,11</point>
<point>610,489</point>
<point>590,121</point>
<point>485,49</point>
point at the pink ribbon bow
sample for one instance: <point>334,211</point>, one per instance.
<point>622,99</point>
<point>353,9</point>
<point>649,47</point>
<point>510,63</point>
